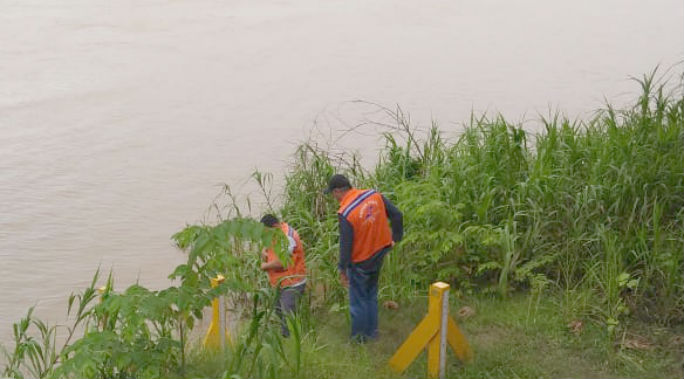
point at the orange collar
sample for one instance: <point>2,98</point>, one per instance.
<point>347,196</point>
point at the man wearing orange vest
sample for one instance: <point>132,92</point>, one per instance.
<point>291,278</point>
<point>365,238</point>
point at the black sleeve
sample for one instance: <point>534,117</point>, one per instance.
<point>396,219</point>
<point>346,241</point>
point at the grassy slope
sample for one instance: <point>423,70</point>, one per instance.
<point>512,338</point>
<point>592,210</point>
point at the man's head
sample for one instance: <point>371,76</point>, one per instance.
<point>269,220</point>
<point>338,186</point>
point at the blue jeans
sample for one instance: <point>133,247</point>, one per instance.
<point>286,305</point>
<point>363,297</point>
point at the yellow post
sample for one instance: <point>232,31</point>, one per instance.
<point>217,334</point>
<point>101,292</point>
<point>458,342</point>
<point>433,332</point>
<point>414,344</point>
<point>437,294</point>
<point>103,322</point>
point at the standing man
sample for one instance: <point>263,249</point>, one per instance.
<point>291,278</point>
<point>365,238</point>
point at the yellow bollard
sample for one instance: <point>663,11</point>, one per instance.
<point>433,332</point>
<point>217,334</point>
<point>102,291</point>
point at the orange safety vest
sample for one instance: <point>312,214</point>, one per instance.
<point>365,211</point>
<point>295,272</point>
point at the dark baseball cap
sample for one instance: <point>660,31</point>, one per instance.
<point>269,220</point>
<point>337,181</point>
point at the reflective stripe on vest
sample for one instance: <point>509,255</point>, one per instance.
<point>356,202</point>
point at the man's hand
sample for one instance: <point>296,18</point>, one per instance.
<point>273,265</point>
<point>264,255</point>
<point>344,280</point>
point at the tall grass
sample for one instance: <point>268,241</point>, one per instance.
<point>594,208</point>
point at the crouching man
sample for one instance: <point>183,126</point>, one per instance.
<point>291,278</point>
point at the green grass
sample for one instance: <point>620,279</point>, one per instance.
<point>514,337</point>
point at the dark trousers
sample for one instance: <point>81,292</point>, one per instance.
<point>363,297</point>
<point>286,305</point>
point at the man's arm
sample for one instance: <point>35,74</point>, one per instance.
<point>272,265</point>
<point>346,241</point>
<point>396,219</point>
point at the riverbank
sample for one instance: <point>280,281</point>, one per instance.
<point>566,245</point>
<point>119,119</point>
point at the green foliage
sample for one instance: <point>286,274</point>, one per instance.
<point>579,206</point>
<point>140,333</point>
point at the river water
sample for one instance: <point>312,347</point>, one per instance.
<point>119,118</point>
